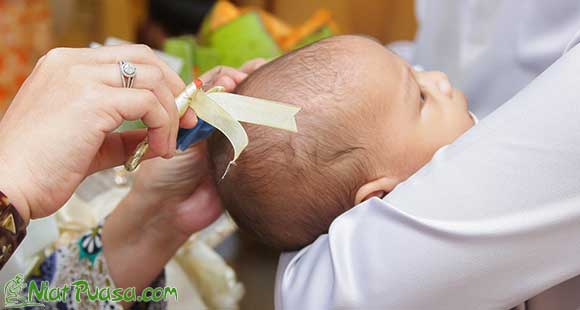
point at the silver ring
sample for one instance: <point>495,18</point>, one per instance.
<point>128,73</point>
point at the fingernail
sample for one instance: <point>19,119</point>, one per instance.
<point>198,83</point>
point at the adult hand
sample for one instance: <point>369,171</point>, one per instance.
<point>169,200</point>
<point>59,127</point>
<point>178,182</point>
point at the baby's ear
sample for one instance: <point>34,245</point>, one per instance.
<point>376,188</point>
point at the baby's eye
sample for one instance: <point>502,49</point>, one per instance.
<point>422,97</point>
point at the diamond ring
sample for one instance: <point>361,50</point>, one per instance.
<point>128,73</point>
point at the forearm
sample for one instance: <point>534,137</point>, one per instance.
<point>138,241</point>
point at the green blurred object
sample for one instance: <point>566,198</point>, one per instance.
<point>243,39</point>
<point>323,33</point>
<point>206,59</point>
<point>185,49</point>
<point>131,125</point>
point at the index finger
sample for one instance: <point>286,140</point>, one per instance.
<point>136,53</point>
<point>142,54</point>
<point>223,76</point>
<point>253,65</point>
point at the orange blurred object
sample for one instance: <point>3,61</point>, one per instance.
<point>222,13</point>
<point>285,35</point>
<point>320,19</point>
<point>25,26</point>
<point>275,26</point>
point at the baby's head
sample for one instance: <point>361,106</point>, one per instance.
<point>368,122</point>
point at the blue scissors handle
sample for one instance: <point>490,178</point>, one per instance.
<point>187,137</point>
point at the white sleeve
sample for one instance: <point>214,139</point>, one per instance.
<point>493,220</point>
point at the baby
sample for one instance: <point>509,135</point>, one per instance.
<point>368,122</point>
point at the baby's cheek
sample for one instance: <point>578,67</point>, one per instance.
<point>416,156</point>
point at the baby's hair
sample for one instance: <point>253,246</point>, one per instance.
<point>287,188</point>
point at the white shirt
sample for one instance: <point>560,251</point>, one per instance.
<point>491,49</point>
<point>491,221</point>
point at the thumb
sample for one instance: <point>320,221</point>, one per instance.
<point>116,149</point>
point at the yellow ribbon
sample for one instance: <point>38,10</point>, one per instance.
<point>225,111</point>
<point>213,113</point>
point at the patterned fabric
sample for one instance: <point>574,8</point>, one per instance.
<point>83,260</point>
<point>12,229</point>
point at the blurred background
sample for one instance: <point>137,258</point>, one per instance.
<point>202,34</point>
